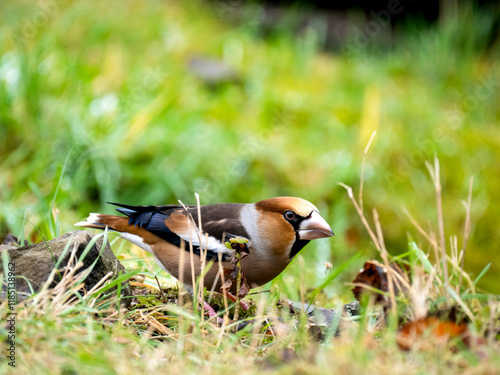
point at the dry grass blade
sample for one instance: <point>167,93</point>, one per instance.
<point>61,298</point>
<point>224,292</point>
<point>362,181</point>
<point>259,319</point>
<point>434,172</point>
<point>191,251</point>
<point>362,217</point>
<point>377,238</point>
<point>467,227</point>
<point>100,283</point>
<point>181,271</point>
<point>494,307</point>
<point>50,279</point>
<point>203,253</point>
<point>419,291</point>
<point>419,227</point>
<point>158,327</point>
<point>383,254</point>
<point>428,237</point>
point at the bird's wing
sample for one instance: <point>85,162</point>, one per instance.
<point>174,223</point>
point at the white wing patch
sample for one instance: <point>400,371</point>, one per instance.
<point>210,243</point>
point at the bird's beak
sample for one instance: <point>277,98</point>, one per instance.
<point>314,227</point>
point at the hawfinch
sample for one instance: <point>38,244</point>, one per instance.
<point>276,230</point>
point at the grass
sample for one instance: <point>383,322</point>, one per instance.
<point>58,333</point>
<point>110,111</point>
<point>98,103</point>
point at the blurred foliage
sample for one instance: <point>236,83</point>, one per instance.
<point>99,102</point>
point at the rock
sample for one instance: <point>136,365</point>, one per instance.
<point>320,320</point>
<point>36,261</point>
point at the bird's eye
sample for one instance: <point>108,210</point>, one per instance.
<point>289,215</point>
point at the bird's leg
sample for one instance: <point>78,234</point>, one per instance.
<point>210,311</point>
<point>245,306</point>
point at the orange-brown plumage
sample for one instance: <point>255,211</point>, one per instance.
<point>281,204</point>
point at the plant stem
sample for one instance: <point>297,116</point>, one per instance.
<point>238,285</point>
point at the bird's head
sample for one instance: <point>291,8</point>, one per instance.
<point>292,221</point>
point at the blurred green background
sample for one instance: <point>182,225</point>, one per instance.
<point>150,102</point>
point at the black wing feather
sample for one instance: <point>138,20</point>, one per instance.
<point>150,218</point>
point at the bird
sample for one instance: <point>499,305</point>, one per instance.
<point>274,229</point>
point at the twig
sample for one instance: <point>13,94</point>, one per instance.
<point>162,295</point>
<point>259,292</point>
<point>238,285</point>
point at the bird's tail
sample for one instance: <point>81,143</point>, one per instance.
<point>129,231</point>
<point>99,221</point>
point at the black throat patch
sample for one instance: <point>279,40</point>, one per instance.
<point>297,245</point>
